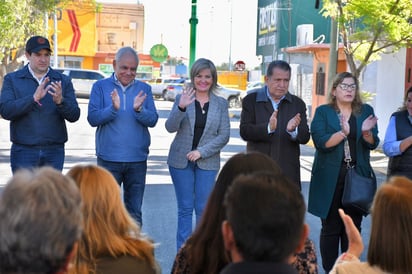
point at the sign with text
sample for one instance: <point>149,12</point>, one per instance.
<point>266,28</point>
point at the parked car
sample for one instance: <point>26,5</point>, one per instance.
<point>231,95</point>
<point>254,84</point>
<point>159,85</point>
<point>83,79</point>
<point>252,87</point>
<point>172,91</point>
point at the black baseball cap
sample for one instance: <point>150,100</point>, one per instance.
<point>37,43</point>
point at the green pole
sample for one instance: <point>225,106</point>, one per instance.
<point>193,22</point>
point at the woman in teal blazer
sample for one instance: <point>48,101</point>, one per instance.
<point>344,117</point>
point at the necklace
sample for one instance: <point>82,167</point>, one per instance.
<point>203,104</point>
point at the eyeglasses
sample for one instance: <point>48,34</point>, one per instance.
<point>347,86</point>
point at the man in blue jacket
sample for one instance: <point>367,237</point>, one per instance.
<point>122,109</point>
<point>37,100</point>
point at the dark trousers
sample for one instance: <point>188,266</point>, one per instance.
<point>333,230</point>
<point>133,177</point>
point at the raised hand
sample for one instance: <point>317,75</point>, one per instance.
<point>139,100</point>
<point>42,90</point>
<point>355,246</point>
<point>293,123</point>
<point>55,90</point>
<point>187,97</point>
<point>344,124</point>
<point>369,123</point>
<point>115,99</point>
<point>273,121</point>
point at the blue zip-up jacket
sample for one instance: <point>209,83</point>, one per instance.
<point>30,123</point>
<point>122,135</point>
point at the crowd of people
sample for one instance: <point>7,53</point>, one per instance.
<point>249,214</point>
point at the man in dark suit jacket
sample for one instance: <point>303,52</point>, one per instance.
<point>274,122</point>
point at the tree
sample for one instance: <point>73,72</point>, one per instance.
<point>223,67</point>
<point>370,28</point>
<point>18,21</point>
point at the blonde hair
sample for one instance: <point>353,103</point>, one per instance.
<point>109,230</point>
<point>390,245</point>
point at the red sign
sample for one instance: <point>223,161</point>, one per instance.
<point>240,65</point>
<point>76,30</point>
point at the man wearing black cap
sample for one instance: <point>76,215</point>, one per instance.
<point>37,100</point>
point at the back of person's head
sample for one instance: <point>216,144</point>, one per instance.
<point>390,245</point>
<point>108,227</point>
<point>40,222</point>
<point>241,163</point>
<point>265,213</point>
<point>206,254</point>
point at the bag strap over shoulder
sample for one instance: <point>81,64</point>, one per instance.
<point>348,158</point>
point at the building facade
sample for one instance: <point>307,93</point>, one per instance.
<point>89,39</point>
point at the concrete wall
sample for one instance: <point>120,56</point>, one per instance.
<point>386,78</point>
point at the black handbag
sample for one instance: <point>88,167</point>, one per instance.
<point>358,191</point>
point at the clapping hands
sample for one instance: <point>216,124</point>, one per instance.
<point>355,246</point>
<point>344,124</point>
<point>369,123</point>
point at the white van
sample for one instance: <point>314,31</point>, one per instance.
<point>82,79</point>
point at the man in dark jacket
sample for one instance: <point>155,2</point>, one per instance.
<point>274,122</point>
<point>37,100</point>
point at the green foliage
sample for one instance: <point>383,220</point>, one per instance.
<point>47,5</point>
<point>369,28</point>
<point>173,61</point>
<point>223,67</point>
<point>17,21</point>
<point>367,96</point>
<point>21,19</point>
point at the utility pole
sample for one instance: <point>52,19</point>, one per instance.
<point>230,36</point>
<point>193,24</point>
<point>333,51</point>
<point>55,48</point>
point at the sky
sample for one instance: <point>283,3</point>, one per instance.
<point>226,28</point>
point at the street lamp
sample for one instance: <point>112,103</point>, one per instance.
<point>193,22</point>
<point>230,37</point>
<point>55,53</point>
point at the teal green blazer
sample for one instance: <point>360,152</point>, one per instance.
<point>328,161</point>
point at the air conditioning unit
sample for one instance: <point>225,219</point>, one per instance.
<point>304,34</point>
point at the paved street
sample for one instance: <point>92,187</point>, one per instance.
<point>159,207</point>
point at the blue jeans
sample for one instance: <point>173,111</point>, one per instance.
<point>192,187</point>
<point>133,177</point>
<point>22,156</point>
